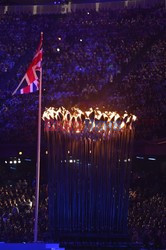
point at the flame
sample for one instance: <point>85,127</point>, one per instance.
<point>91,121</point>
<point>122,125</point>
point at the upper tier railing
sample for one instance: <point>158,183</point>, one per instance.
<point>73,6</point>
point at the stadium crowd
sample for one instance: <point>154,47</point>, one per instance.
<point>17,202</point>
<point>146,219</point>
<point>109,57</point>
<point>115,58</point>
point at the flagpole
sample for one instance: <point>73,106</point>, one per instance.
<point>38,160</point>
<point>18,86</point>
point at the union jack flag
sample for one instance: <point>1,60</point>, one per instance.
<point>31,79</point>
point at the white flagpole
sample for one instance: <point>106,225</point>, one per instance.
<point>18,86</point>
<point>38,160</point>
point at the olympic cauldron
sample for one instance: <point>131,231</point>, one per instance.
<point>89,168</point>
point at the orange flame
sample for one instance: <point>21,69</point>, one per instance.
<point>92,120</point>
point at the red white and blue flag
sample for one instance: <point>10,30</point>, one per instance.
<point>31,79</point>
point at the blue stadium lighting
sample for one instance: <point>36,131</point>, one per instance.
<point>151,159</point>
<point>27,159</point>
<point>140,157</point>
<point>13,168</point>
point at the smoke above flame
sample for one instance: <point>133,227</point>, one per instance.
<point>92,120</point>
